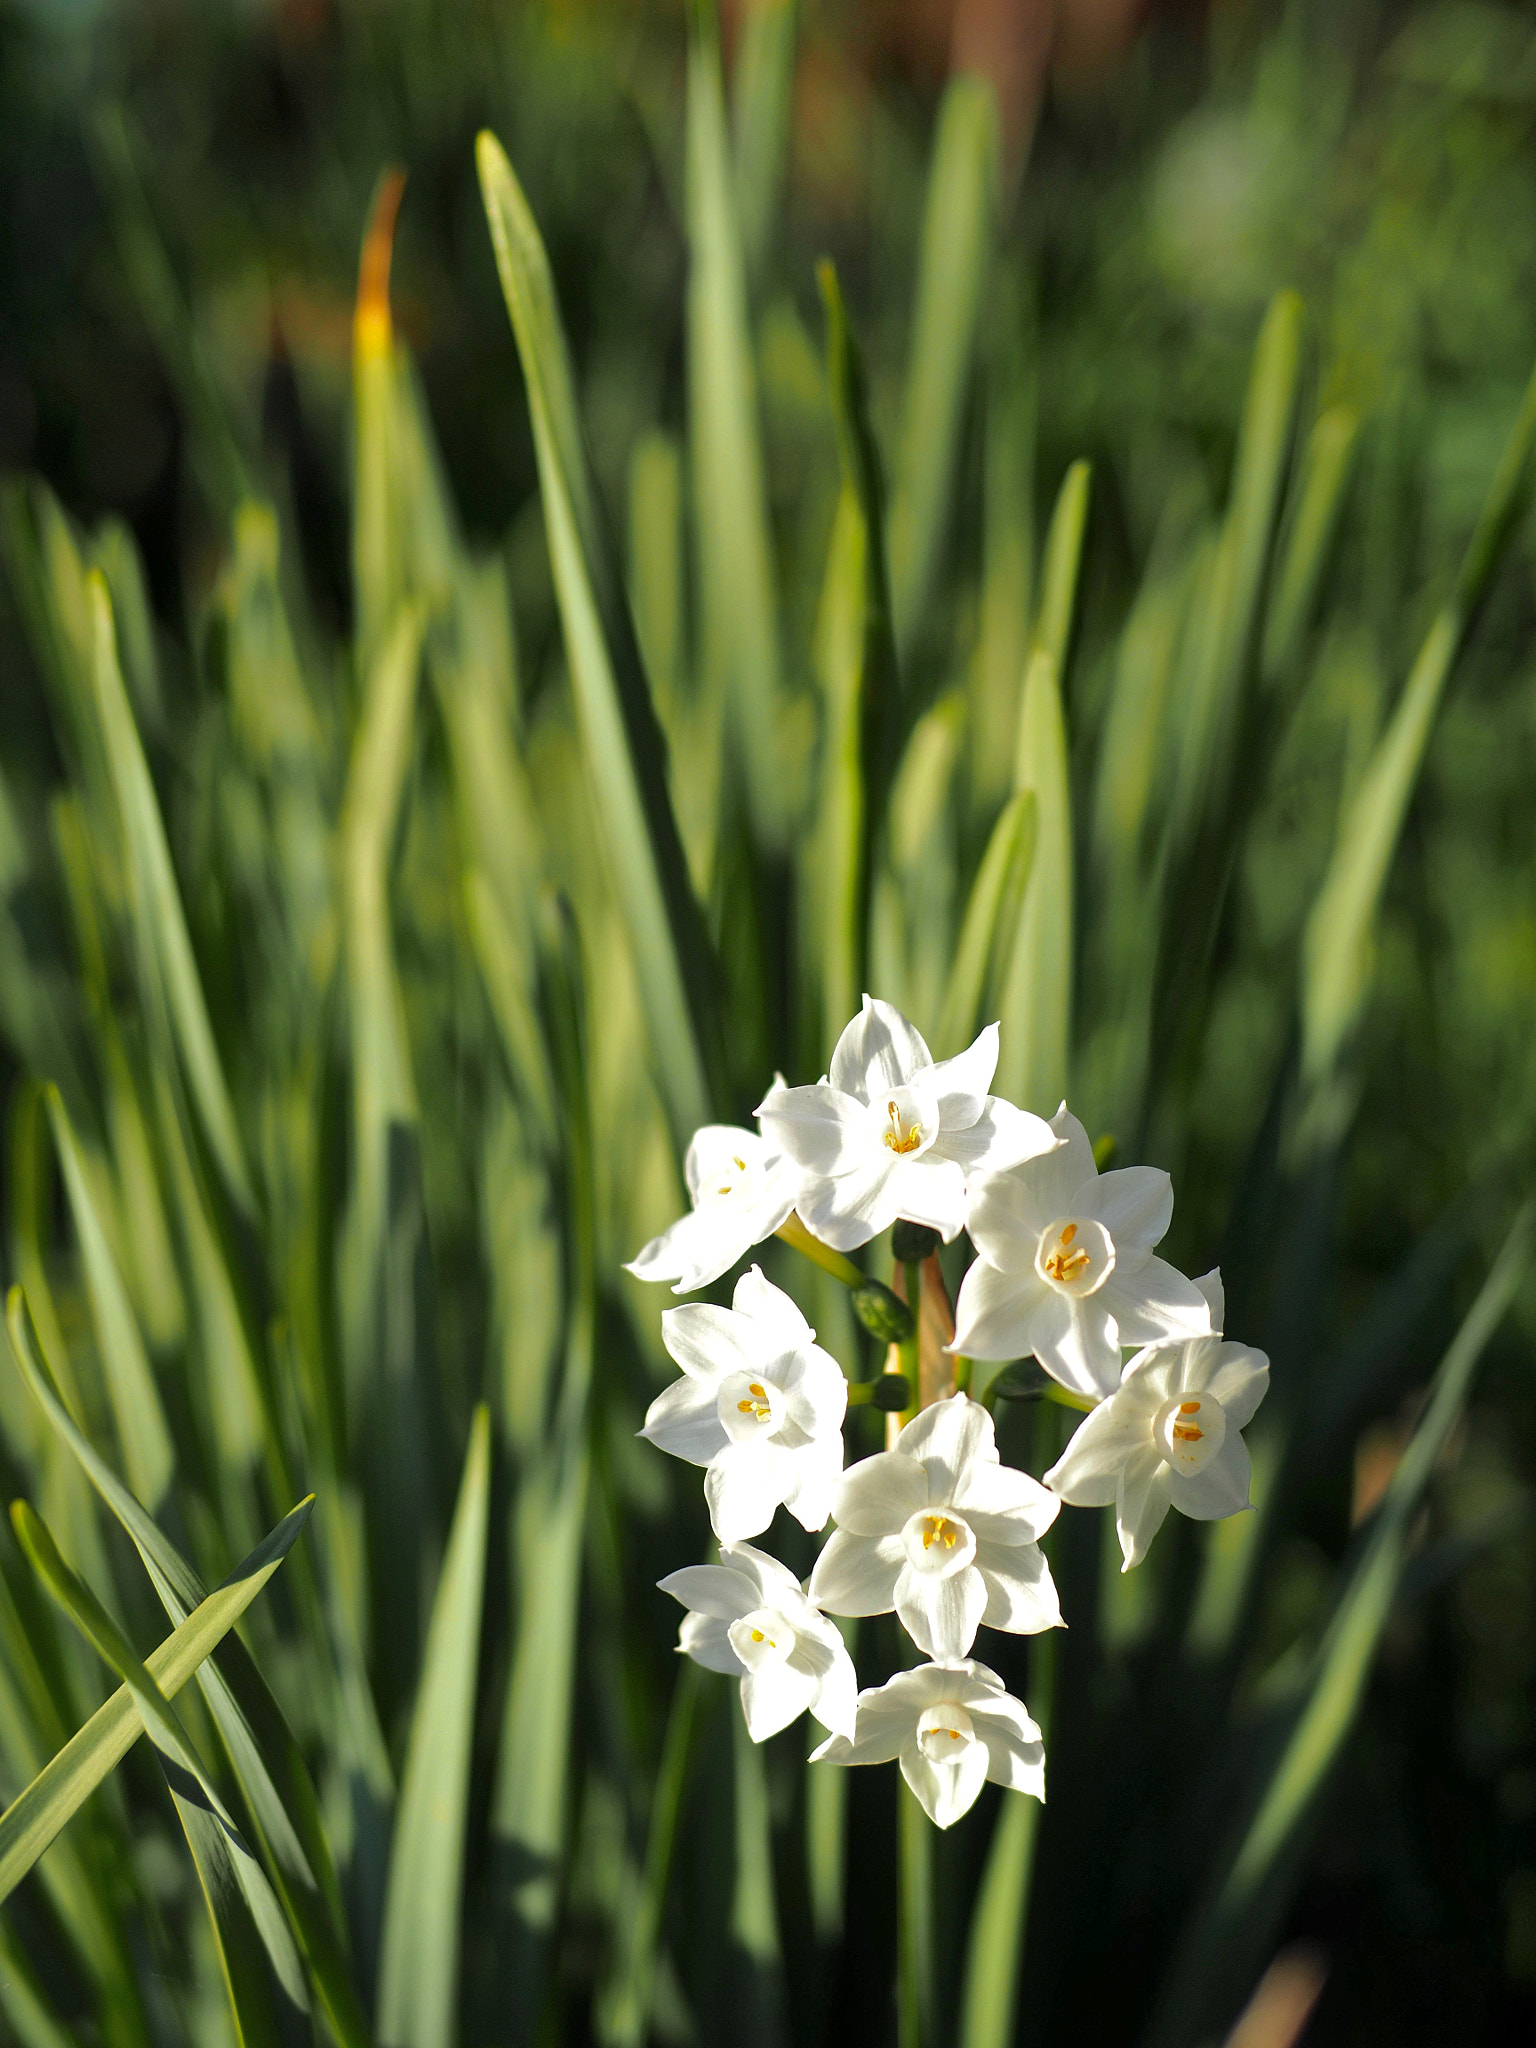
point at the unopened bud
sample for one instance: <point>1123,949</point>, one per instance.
<point>884,1314</point>
<point>891,1391</point>
<point>911,1243</point>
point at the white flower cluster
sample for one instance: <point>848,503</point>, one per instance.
<point>935,1528</point>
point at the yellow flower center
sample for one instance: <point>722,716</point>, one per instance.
<point>1062,1263</point>
<point>896,1138</point>
<point>1188,1432</point>
<point>757,1405</point>
<point>939,1529</point>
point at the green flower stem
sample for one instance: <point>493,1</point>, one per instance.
<point>795,1233</point>
<point>914,1936</point>
<point>908,1349</point>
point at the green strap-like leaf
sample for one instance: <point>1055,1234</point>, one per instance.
<point>1338,951</point>
<point>33,1819</point>
<point>142,1429</point>
<point>738,603</point>
<point>1230,1931</point>
<point>958,230</point>
<point>419,1958</point>
<point>247,1922</point>
<point>622,741</point>
<point>167,964</point>
<point>268,1765</point>
<point>1037,1005</point>
<point>984,954</point>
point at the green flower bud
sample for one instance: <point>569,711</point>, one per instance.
<point>884,1314</point>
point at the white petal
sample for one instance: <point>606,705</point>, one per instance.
<point>743,1486</point>
<point>1141,1504</point>
<point>941,1615</point>
<point>1239,1380</point>
<point>928,1189</point>
<point>1078,1159</point>
<point>887,1717</point>
<point>850,1210</point>
<point>710,1342</point>
<point>1015,1753</point>
<point>995,1312</point>
<point>1218,1491</point>
<point>706,1639</point>
<point>718,1146</point>
<point>945,1438</point>
<point>1006,1212</point>
<point>947,1792</point>
<point>1134,1204</point>
<point>821,1129</point>
<point>879,1049</point>
<point>773,1584</point>
<point>815,1392</point>
<point>857,1574</point>
<point>775,1696</point>
<point>817,1471</point>
<point>1004,1505</point>
<point>683,1419</point>
<point>1076,1342</point>
<point>836,1703</point>
<point>1088,1471</point>
<point>776,1315</point>
<point>1021,1594</point>
<point>1000,1137</point>
<point>962,1084</point>
<point>1215,1294</point>
<point>879,1493</point>
<point>713,1589</point>
<point>1154,1304</point>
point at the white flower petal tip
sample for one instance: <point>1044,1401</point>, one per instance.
<point>1065,1271</point>
<point>742,1191</point>
<point>943,1532</point>
<point>748,1618</point>
<point>951,1726</point>
<point>760,1406</point>
<point>1168,1436</point>
<point>891,1133</point>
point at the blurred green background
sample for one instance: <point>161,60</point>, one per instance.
<point>427,1167</point>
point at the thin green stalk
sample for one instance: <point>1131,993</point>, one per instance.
<point>914,1928</point>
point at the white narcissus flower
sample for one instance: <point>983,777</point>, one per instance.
<point>760,1405</point>
<point>749,1618</point>
<point>742,1190</point>
<point>1065,1271</point>
<point>1168,1435</point>
<point>890,1134</point>
<point>942,1531</point>
<point>952,1726</point>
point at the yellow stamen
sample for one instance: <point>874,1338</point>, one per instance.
<point>759,1405</point>
<point>1063,1264</point>
<point>894,1138</point>
<point>936,1529</point>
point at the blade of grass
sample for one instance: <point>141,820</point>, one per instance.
<point>1008,543</point>
<point>1037,1004</point>
<point>860,678</point>
<point>33,1819</point>
<point>1231,1928</point>
<point>167,964</point>
<point>762,103</point>
<point>623,744</point>
<point>1210,713</point>
<point>991,921</point>
<point>247,1923</point>
<point>738,603</point>
<point>1327,466</point>
<point>419,1961</point>
<point>624,2008</point>
<point>953,266</point>
<point>142,1430</point>
<point>267,1762</point>
<point>1338,946</point>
